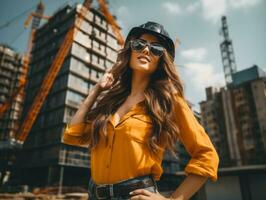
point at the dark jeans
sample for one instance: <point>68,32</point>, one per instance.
<point>93,197</point>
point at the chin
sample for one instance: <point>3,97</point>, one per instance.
<point>143,70</point>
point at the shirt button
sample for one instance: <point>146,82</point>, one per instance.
<point>107,166</point>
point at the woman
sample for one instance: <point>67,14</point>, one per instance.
<point>140,111</point>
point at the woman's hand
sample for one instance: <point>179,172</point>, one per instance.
<point>105,82</point>
<point>142,194</point>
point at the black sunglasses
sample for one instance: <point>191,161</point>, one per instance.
<point>138,45</point>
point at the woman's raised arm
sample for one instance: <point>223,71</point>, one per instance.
<point>105,83</point>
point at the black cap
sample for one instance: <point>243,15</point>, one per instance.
<point>157,30</point>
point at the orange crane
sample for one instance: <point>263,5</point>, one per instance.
<point>111,20</point>
<point>19,91</point>
<point>56,65</point>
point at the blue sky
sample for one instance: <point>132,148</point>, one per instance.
<point>195,23</point>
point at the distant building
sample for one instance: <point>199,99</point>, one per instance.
<point>10,72</point>
<point>213,121</point>
<point>45,160</point>
<point>235,118</point>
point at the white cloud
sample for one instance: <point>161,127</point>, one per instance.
<point>212,10</point>
<point>177,9</point>
<point>172,7</point>
<point>243,3</point>
<point>202,75</point>
<point>197,54</point>
<point>191,8</point>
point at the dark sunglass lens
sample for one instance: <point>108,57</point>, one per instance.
<point>137,45</point>
<point>157,50</point>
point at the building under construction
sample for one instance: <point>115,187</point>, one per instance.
<point>10,62</point>
<point>213,120</point>
<point>234,116</point>
<point>247,97</point>
<point>45,160</point>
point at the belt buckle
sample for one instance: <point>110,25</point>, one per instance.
<point>96,192</point>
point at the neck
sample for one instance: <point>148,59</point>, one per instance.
<point>139,83</point>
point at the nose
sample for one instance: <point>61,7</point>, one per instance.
<point>146,50</point>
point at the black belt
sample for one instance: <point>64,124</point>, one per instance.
<point>123,188</point>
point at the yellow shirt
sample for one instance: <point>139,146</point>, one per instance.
<point>126,155</point>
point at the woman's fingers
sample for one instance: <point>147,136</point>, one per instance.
<point>141,192</point>
<point>109,79</point>
<point>140,197</point>
<point>106,81</point>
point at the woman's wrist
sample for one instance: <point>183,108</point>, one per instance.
<point>178,198</point>
<point>171,198</point>
<point>97,88</point>
<point>93,94</point>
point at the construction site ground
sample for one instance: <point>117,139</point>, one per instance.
<point>31,196</point>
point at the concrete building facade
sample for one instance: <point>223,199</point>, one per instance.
<point>45,159</point>
<point>235,118</point>
<point>213,120</point>
<point>10,72</point>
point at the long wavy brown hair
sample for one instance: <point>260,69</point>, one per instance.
<point>159,101</point>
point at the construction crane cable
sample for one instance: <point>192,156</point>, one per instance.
<point>16,17</point>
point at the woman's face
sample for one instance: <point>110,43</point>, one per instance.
<point>144,61</point>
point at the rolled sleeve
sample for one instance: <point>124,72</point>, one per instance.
<point>204,158</point>
<point>78,134</point>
